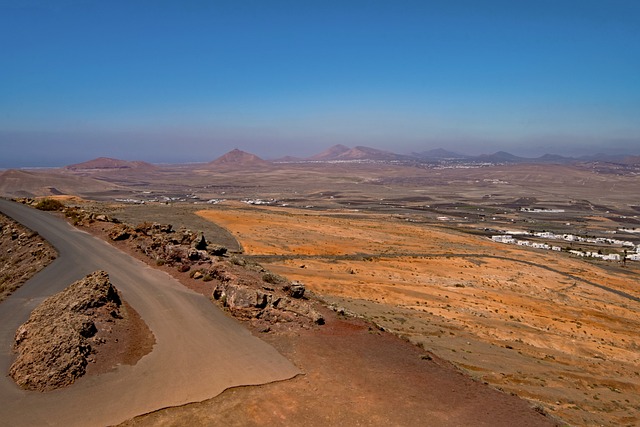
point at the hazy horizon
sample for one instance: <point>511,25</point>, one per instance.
<point>175,82</point>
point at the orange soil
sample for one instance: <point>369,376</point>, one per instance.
<point>529,330</point>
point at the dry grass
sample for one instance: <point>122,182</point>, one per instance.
<point>526,321</point>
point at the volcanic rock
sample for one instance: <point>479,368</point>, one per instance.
<point>253,298</point>
<point>54,345</point>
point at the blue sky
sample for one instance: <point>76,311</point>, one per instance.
<point>174,81</point>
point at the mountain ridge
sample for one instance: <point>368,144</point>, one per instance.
<point>237,157</point>
<point>109,163</point>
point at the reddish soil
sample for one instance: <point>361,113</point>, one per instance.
<point>356,375</point>
<point>125,342</point>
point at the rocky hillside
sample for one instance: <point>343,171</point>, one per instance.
<point>246,290</point>
<point>22,254</point>
<point>58,341</point>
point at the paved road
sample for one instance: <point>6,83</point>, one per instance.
<point>199,351</point>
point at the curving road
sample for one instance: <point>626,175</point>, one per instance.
<point>199,351</point>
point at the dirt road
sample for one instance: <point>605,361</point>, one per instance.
<point>199,351</point>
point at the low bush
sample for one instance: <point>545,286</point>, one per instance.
<point>50,205</point>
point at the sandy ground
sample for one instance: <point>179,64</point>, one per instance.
<point>530,322</point>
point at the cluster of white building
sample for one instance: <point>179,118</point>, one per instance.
<point>574,238</point>
<point>608,257</point>
<point>541,210</point>
<point>509,239</point>
<point>259,201</point>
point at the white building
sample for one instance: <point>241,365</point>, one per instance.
<point>506,238</point>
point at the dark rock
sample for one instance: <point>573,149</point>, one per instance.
<point>120,232</point>
<point>217,250</point>
<point>295,290</point>
<point>201,244</point>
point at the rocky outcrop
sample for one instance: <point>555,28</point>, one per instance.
<point>120,232</point>
<point>22,254</point>
<point>244,288</point>
<point>55,345</point>
<point>261,300</point>
<point>181,248</point>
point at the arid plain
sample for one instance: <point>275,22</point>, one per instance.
<point>409,248</point>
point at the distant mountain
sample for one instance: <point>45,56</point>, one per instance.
<point>344,153</point>
<point>367,153</point>
<point>501,157</point>
<point>239,158</point>
<point>439,154</point>
<point>331,153</point>
<point>553,158</point>
<point>109,163</point>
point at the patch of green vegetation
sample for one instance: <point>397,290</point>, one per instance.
<point>50,205</point>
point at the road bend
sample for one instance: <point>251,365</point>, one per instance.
<point>199,351</point>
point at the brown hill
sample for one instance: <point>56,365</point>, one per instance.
<point>331,153</point>
<point>109,163</point>
<point>239,158</point>
<point>20,183</point>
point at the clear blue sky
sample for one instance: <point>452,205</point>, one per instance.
<point>189,80</point>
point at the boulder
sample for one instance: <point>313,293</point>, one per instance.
<point>201,243</point>
<point>295,289</point>
<point>217,250</point>
<point>120,232</point>
<point>54,345</point>
<point>239,297</point>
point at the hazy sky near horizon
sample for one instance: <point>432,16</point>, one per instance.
<point>175,81</point>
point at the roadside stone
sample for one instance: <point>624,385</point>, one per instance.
<point>120,232</point>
